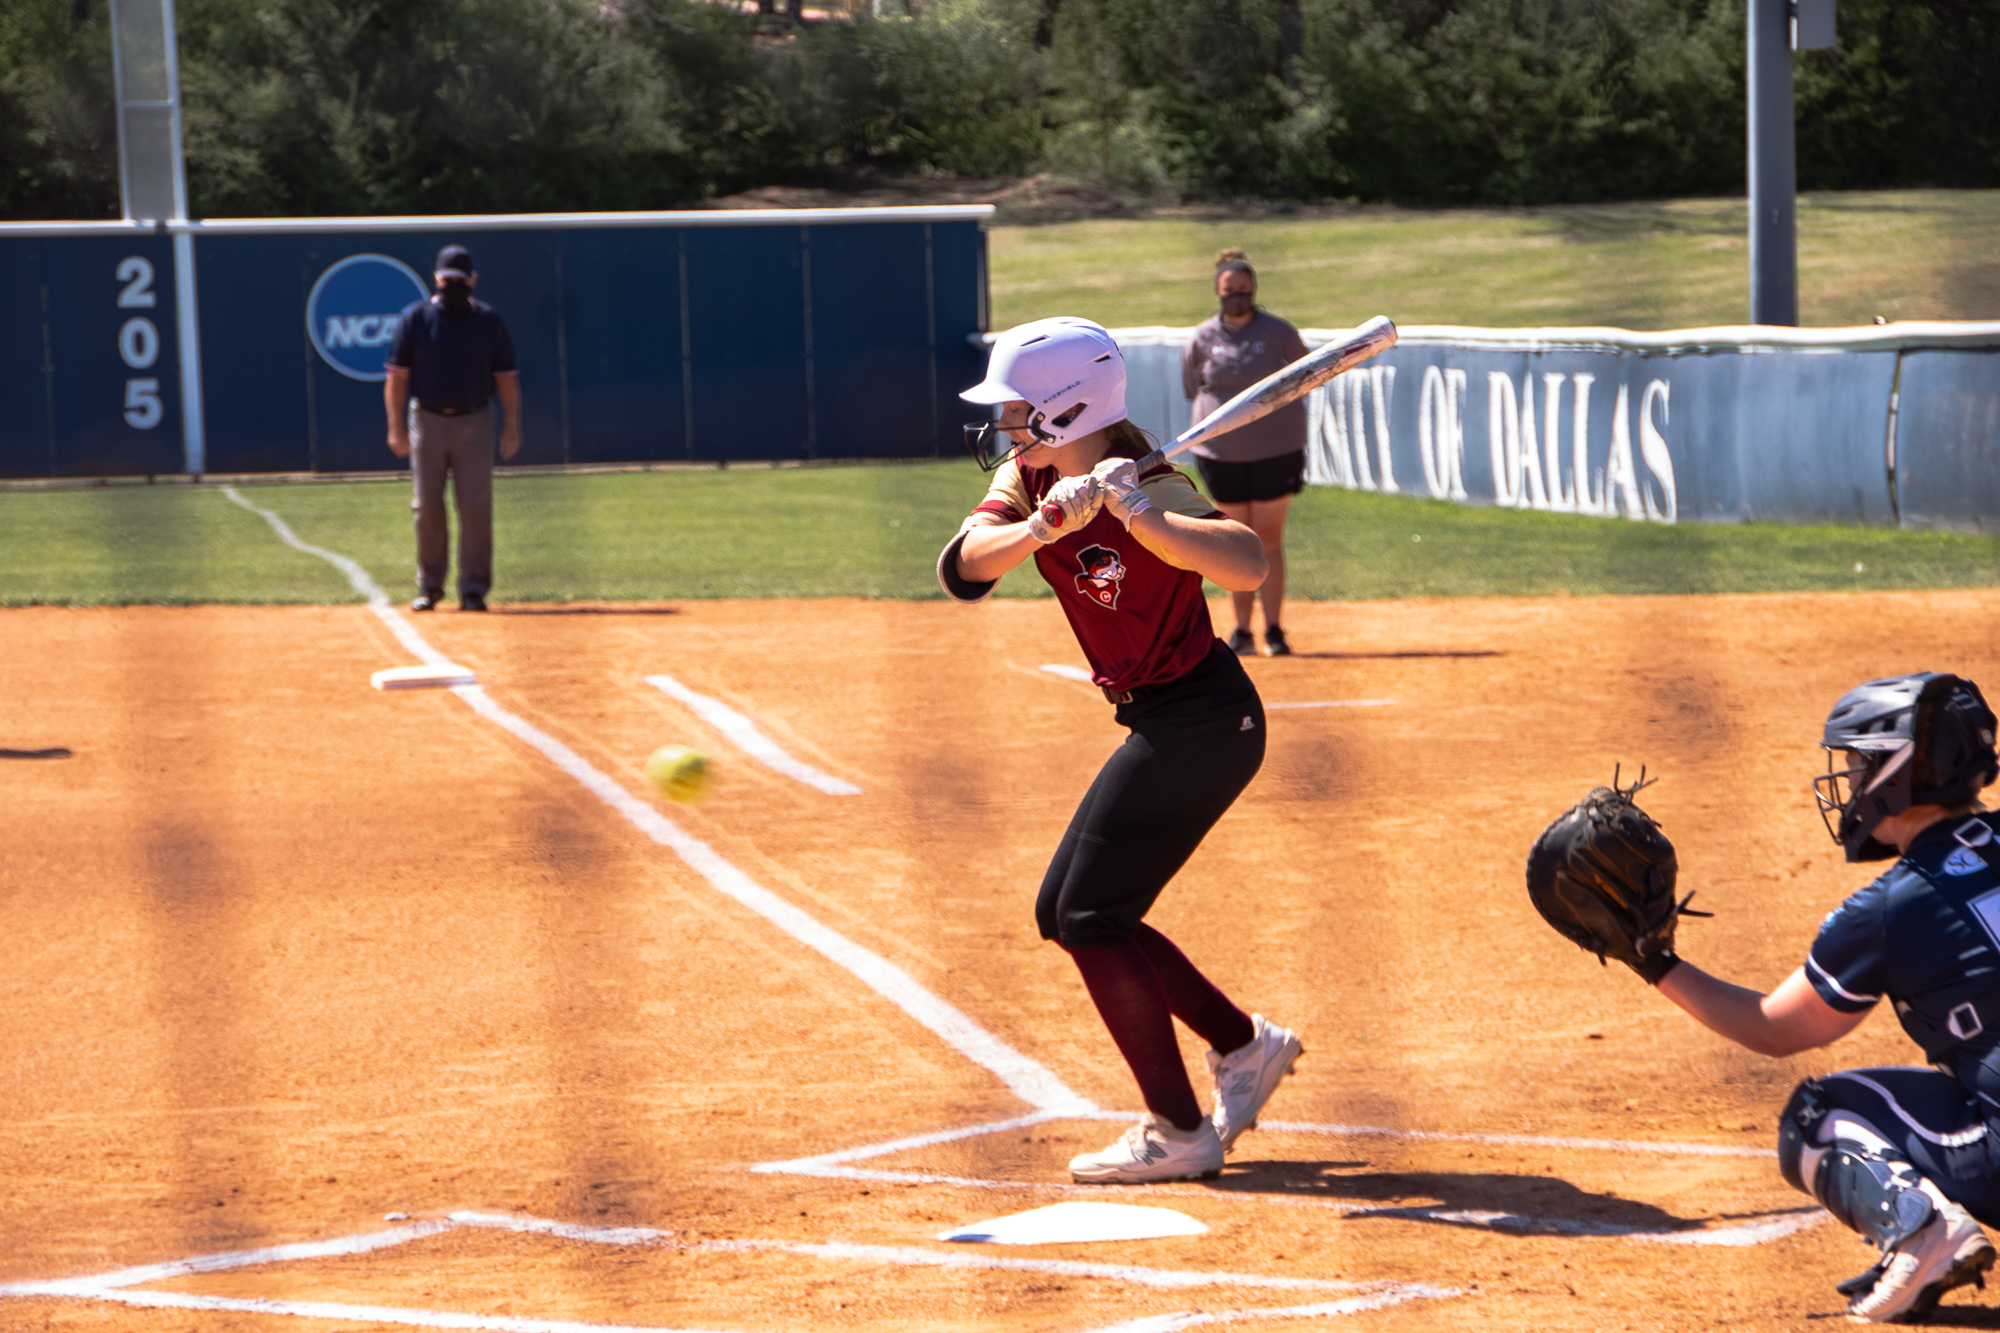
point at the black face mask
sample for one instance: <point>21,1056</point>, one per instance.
<point>1238,304</point>
<point>455,296</point>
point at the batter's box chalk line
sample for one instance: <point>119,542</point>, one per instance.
<point>1757,1229</point>
<point>1023,1076</point>
<point>1029,1080</point>
<point>123,1285</point>
<point>749,738</point>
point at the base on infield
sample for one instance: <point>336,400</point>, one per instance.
<point>422,677</point>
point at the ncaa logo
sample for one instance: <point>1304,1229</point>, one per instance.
<point>352,311</point>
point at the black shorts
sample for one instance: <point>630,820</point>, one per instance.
<point>1194,747</point>
<point>1242,483</point>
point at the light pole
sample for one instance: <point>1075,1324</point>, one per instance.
<point>1776,27</point>
<point>152,175</point>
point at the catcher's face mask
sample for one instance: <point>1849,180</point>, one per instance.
<point>1859,789</point>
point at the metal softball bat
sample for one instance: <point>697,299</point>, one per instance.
<point>1272,392</point>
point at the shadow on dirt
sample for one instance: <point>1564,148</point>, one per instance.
<point>1535,1205</point>
<point>1955,1316</point>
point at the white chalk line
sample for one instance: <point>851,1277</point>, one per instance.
<point>1068,672</point>
<point>810,1165</point>
<point>1131,1274</point>
<point>115,1286</point>
<point>747,737</point>
<point>1026,1078</point>
<point>357,578</point>
<point>542,1226</point>
<point>1756,1230</point>
<point>373,1314</point>
<point>216,1263</point>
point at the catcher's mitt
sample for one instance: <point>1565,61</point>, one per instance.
<point>1603,875</point>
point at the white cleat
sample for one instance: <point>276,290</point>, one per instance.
<point>1950,1251</point>
<point>1247,1076</point>
<point>1152,1150</point>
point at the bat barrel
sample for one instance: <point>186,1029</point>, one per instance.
<point>1266,396</point>
<point>1290,384</point>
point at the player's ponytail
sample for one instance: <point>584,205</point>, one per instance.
<point>1127,440</point>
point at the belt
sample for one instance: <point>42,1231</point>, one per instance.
<point>452,411</point>
<point>1138,692</point>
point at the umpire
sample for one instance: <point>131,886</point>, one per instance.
<point>450,358</point>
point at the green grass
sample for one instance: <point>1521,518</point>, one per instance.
<point>1912,254</point>
<point>875,532</point>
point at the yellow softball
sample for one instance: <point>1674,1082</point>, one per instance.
<point>680,773</point>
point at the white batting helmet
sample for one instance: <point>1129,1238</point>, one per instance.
<point>1068,370</point>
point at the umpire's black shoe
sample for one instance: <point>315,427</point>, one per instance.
<point>1243,643</point>
<point>1274,642</point>
<point>427,602</point>
<point>472,601</point>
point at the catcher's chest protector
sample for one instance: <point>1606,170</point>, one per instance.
<point>1940,926</point>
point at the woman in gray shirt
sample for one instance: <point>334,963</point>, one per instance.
<point>1253,472</point>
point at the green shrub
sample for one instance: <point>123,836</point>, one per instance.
<point>416,106</point>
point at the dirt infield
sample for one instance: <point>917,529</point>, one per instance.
<point>288,955</point>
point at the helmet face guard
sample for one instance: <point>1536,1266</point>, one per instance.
<point>990,445</point>
<point>1922,739</point>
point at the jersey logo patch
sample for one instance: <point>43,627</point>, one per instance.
<point>1248,725</point>
<point>1102,570</point>
<point>1964,861</point>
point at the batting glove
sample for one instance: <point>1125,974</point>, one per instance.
<point>1078,498</point>
<point>1119,479</point>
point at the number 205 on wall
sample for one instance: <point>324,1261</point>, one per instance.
<point>139,343</point>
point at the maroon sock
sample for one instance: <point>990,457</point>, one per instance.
<point>1194,999</point>
<point>1133,1003</point>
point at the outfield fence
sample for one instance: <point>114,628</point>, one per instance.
<point>257,345</point>
<point>1896,424</point>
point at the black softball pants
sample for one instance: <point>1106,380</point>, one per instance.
<point>1193,748</point>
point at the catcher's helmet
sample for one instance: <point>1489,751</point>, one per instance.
<point>1921,739</point>
<point>1068,370</point>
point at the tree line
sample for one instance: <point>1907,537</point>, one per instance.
<point>305,107</point>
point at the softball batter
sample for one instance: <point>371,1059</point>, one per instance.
<point>1126,562</point>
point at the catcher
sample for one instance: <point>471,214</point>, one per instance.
<point>1909,1158</point>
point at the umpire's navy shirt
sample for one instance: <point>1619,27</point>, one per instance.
<point>452,359</point>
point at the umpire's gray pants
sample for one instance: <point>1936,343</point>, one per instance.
<point>462,446</point>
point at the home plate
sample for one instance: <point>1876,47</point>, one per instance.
<point>422,677</point>
<point>1070,1223</point>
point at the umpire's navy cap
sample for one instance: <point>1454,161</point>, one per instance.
<point>454,259</point>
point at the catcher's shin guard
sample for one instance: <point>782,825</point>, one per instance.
<point>1882,1198</point>
<point>1865,1187</point>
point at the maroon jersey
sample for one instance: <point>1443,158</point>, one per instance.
<point>1139,616</point>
